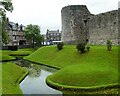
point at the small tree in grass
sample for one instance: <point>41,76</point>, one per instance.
<point>60,45</point>
<point>81,47</point>
<point>109,45</point>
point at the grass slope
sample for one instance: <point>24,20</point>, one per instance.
<point>85,75</point>
<point>4,54</point>
<point>98,67</point>
<point>11,76</point>
<point>99,55</point>
<point>0,79</point>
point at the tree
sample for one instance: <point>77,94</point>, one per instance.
<point>6,6</point>
<point>39,39</point>
<point>32,32</point>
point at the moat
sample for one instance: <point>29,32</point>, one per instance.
<point>35,81</point>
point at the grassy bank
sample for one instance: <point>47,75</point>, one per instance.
<point>95,68</point>
<point>0,79</point>
<point>98,55</point>
<point>4,54</point>
<point>11,76</point>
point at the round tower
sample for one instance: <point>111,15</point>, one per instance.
<point>74,24</point>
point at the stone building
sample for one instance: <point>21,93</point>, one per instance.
<point>15,33</point>
<point>79,25</point>
<point>53,36</point>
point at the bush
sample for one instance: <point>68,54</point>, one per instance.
<point>81,47</point>
<point>60,45</point>
<point>109,45</point>
<point>88,48</point>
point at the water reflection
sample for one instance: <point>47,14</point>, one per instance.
<point>23,63</point>
<point>35,83</point>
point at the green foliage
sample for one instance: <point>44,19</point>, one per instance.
<point>39,39</point>
<point>3,28</point>
<point>81,47</point>
<point>7,6</point>
<point>109,45</point>
<point>5,37</point>
<point>60,46</point>
<point>32,32</point>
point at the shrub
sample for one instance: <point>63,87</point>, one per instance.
<point>81,47</point>
<point>88,48</point>
<point>60,45</point>
<point>109,45</point>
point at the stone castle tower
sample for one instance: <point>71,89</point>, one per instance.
<point>79,25</point>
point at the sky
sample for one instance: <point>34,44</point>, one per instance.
<point>47,13</point>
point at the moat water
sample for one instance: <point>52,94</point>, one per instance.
<point>35,81</point>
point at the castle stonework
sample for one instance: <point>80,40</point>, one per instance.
<point>79,25</point>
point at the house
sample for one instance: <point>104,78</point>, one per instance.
<point>53,36</point>
<point>15,33</point>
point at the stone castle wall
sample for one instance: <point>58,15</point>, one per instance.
<point>103,27</point>
<point>73,23</point>
<point>78,24</point>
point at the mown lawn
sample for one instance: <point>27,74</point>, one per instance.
<point>95,68</point>
<point>0,78</point>
<point>98,55</point>
<point>11,76</point>
<point>4,54</point>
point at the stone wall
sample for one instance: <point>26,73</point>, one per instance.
<point>103,27</point>
<point>74,24</point>
<point>78,25</point>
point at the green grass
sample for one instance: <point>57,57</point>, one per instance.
<point>4,54</point>
<point>95,68</point>
<point>70,56</point>
<point>11,73</point>
<point>11,76</point>
<point>85,75</point>
<point>0,79</point>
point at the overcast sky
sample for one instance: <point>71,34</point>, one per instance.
<point>47,13</point>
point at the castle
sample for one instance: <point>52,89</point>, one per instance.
<point>79,25</point>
